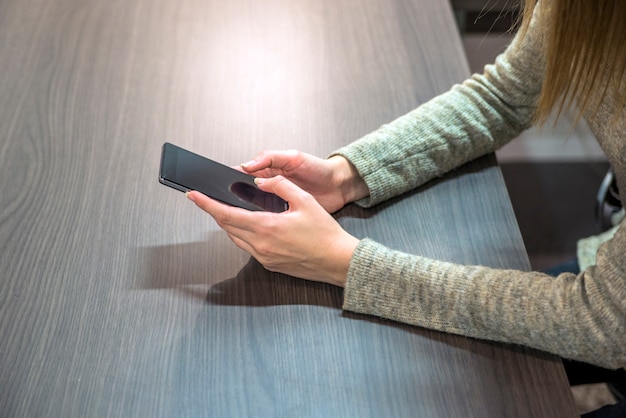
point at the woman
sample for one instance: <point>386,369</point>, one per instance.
<point>566,52</point>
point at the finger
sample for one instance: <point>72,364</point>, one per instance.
<point>283,188</point>
<point>273,160</point>
<point>228,217</point>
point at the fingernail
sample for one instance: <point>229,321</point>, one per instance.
<point>189,196</point>
<point>259,181</point>
<point>249,163</point>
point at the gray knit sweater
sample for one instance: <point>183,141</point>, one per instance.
<point>578,317</point>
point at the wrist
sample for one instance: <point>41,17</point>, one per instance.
<point>348,179</point>
<point>343,256</point>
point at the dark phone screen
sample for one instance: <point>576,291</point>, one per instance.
<point>184,171</point>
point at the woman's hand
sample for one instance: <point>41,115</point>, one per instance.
<point>333,182</point>
<point>304,241</point>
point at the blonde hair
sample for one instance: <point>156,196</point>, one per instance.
<point>585,54</point>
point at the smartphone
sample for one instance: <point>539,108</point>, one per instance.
<point>185,171</point>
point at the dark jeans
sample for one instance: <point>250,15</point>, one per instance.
<point>617,410</point>
<point>583,374</point>
<point>569,266</point>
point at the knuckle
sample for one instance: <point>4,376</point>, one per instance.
<point>271,267</point>
<point>264,153</point>
<point>264,250</point>
<point>294,160</point>
<point>270,264</point>
<point>264,255</point>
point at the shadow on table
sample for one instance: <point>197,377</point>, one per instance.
<point>197,276</point>
<point>187,264</point>
<point>192,268</point>
<point>256,286</point>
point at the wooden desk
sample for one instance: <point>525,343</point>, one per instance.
<point>119,298</point>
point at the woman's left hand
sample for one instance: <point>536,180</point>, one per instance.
<point>304,241</point>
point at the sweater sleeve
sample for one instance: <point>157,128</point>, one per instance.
<point>581,317</point>
<point>578,317</point>
<point>470,120</point>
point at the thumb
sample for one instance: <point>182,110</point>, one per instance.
<point>283,188</point>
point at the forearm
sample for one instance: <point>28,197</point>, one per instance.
<point>348,179</point>
<point>472,119</point>
<point>575,317</point>
<point>439,136</point>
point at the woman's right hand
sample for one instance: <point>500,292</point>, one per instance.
<point>333,182</point>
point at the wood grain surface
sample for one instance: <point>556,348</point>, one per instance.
<point>119,298</point>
